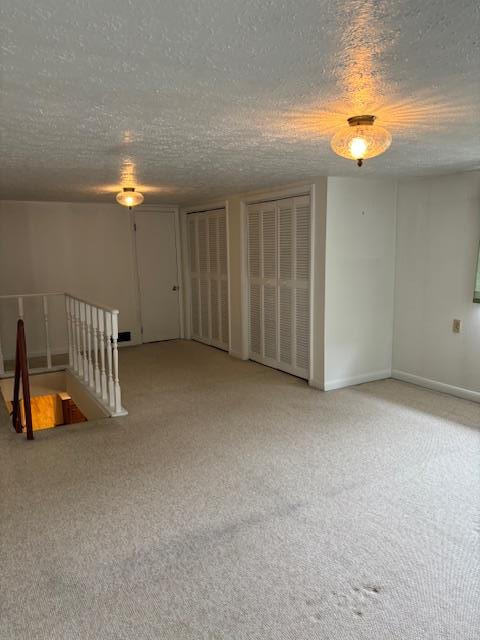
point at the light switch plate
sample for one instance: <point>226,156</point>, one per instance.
<point>457,325</point>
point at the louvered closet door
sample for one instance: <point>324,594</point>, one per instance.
<point>207,237</point>
<point>279,284</point>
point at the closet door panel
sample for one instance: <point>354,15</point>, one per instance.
<point>212,244</point>
<point>302,239</point>
<point>209,277</point>
<point>194,275</point>
<point>270,322</point>
<point>279,258</point>
<point>254,242</point>
<point>225,329</point>
<point>222,244</point>
<point>192,244</point>
<point>214,310</point>
<point>255,320</point>
<point>204,309</point>
<point>269,243</point>
<point>195,286</point>
<point>285,240</point>
<point>302,330</point>
<point>302,282</point>
<point>286,325</point>
<point>202,244</point>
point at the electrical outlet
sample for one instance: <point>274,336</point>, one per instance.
<point>457,325</point>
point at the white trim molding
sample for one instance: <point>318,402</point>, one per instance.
<point>237,355</point>
<point>354,380</point>
<point>435,385</point>
<point>315,384</point>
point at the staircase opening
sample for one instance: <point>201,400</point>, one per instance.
<point>57,399</point>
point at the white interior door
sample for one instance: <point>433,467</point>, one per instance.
<point>207,239</point>
<point>279,238</point>
<point>156,245</point>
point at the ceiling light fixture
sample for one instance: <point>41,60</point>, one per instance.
<point>361,139</point>
<point>129,197</point>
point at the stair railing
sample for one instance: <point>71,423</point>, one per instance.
<point>90,342</point>
<point>21,373</point>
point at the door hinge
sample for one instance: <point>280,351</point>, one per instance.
<point>134,226</point>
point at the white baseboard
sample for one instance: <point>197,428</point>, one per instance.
<point>238,355</point>
<point>359,379</point>
<point>435,385</point>
<point>315,384</point>
<point>129,343</point>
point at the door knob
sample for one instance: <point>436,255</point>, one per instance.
<point>175,288</point>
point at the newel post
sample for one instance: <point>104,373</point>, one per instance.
<point>116,380</point>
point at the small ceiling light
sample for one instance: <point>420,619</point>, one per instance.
<point>361,139</point>
<point>129,197</point>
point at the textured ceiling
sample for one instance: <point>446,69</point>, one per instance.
<point>193,100</point>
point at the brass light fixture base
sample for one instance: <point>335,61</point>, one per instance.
<point>128,197</point>
<point>356,121</point>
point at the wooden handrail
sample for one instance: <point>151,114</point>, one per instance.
<point>21,371</point>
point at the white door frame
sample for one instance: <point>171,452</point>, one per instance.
<point>266,197</point>
<point>153,209</point>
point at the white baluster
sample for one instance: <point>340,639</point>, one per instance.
<point>83,322</point>
<point>69,331</point>
<point>116,380</point>
<point>20,307</point>
<point>108,344</point>
<point>47,336</point>
<point>79,347</point>
<point>74,335</point>
<point>88,314</point>
<point>95,312</point>
<point>101,335</point>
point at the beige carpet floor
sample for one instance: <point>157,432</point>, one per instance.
<point>234,502</point>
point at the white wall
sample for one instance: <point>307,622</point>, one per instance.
<point>360,262</point>
<point>87,249</point>
<point>82,248</point>
<point>437,242</point>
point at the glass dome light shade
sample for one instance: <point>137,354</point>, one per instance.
<point>361,139</point>
<point>129,197</point>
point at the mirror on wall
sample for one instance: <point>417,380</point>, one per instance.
<point>476,293</point>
